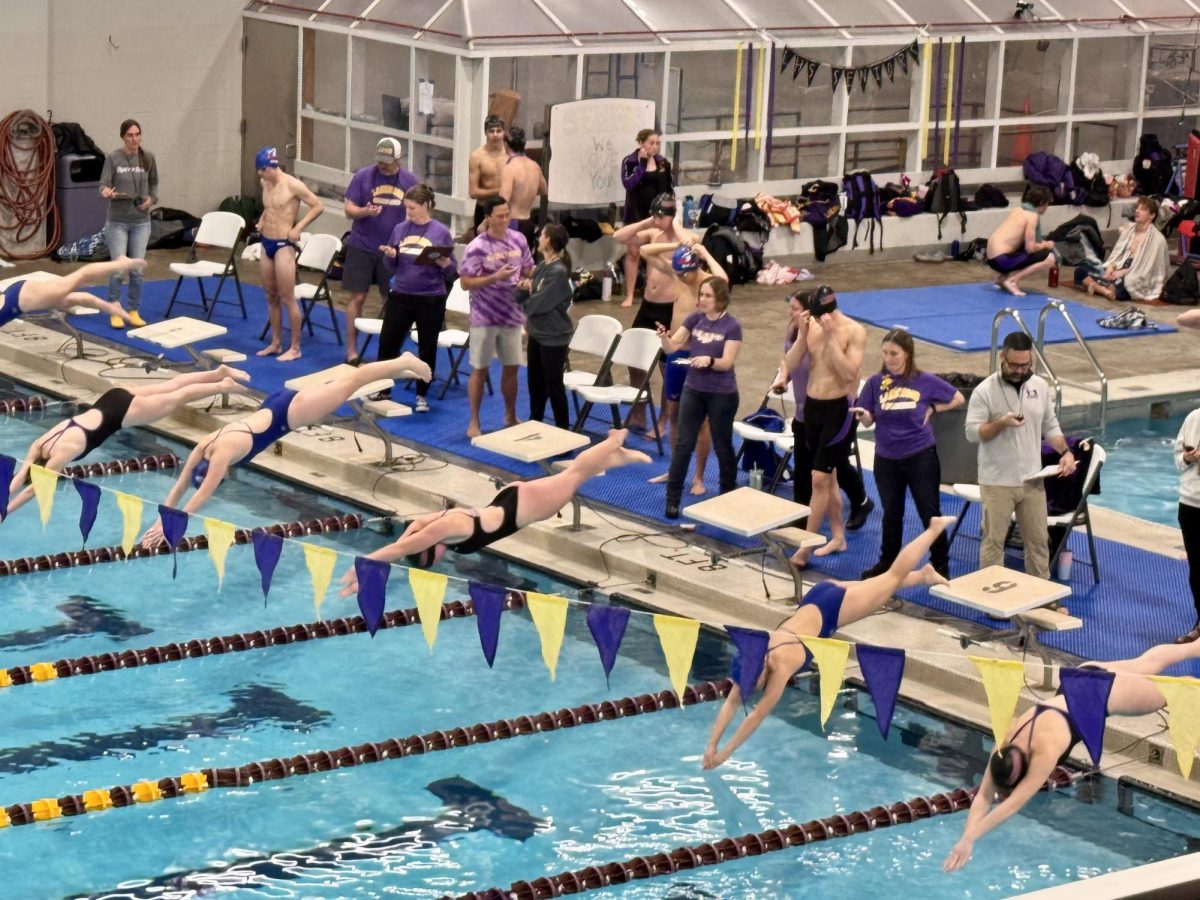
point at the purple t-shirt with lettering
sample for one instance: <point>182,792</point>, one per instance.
<point>708,337</point>
<point>369,186</point>
<point>496,304</point>
<point>409,240</point>
<point>899,406</point>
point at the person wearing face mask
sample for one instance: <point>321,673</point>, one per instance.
<point>1010,412</point>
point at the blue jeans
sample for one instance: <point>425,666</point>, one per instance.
<point>127,240</point>
<point>694,408</point>
<point>919,475</point>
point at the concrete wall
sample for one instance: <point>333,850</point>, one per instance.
<point>174,65</point>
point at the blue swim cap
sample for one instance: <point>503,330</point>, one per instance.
<point>266,158</point>
<point>684,260</point>
<point>199,473</point>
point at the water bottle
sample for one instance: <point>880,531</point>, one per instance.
<point>691,212</point>
<point>756,478</point>
<point>606,287</point>
<point>1052,278</point>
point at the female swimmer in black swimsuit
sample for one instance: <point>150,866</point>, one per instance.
<point>428,537</point>
<point>1036,743</point>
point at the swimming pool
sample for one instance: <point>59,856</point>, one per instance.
<point>1139,477</point>
<point>469,818</point>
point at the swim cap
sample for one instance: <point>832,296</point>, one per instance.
<point>427,557</point>
<point>266,158</point>
<point>199,473</point>
<point>663,205</point>
<point>684,260</point>
<point>820,301</point>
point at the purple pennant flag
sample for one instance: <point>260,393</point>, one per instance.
<point>267,548</point>
<point>882,668</point>
<point>748,661</point>
<point>89,497</point>
<point>8,466</point>
<point>489,603</point>
<point>372,590</point>
<point>174,524</point>
<point>1086,692</point>
<point>607,625</point>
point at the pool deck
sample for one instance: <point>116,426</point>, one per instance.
<point>938,672</point>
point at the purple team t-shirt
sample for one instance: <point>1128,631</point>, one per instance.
<point>898,406</point>
<point>418,280</point>
<point>496,304</point>
<point>799,378</point>
<point>369,186</point>
<point>708,337</point>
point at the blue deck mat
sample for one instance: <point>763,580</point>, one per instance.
<point>959,316</point>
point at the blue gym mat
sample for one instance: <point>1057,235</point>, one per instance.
<point>959,316</point>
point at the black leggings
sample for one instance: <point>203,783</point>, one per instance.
<point>1189,524</point>
<point>400,313</point>
<point>545,366</point>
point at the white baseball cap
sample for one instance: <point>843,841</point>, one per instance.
<point>388,151</point>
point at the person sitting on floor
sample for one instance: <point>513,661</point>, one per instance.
<point>22,297</point>
<point>1136,269</point>
<point>1016,249</point>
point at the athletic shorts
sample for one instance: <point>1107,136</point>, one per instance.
<point>495,341</point>
<point>675,374</point>
<point>1011,262</point>
<point>651,314</point>
<point>363,269</point>
<point>527,227</point>
<point>827,432</point>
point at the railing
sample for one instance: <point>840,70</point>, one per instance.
<point>1087,351</point>
<point>1008,311</point>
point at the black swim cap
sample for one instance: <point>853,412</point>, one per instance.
<point>663,205</point>
<point>820,301</point>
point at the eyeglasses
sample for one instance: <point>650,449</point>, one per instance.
<point>1019,367</point>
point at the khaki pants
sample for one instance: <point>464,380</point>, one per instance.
<point>1029,503</point>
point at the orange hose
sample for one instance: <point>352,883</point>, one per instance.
<point>27,182</point>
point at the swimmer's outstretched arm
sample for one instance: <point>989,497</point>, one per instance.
<point>21,493</point>
<point>773,691</point>
<point>421,534</point>
<point>218,468</point>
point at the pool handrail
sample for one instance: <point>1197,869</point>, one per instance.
<point>1052,304</point>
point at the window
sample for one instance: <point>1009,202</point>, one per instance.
<point>797,103</point>
<point>973,149</point>
<point>635,75</point>
<point>1034,75</point>
<point>540,82</point>
<point>323,144</point>
<point>706,162</point>
<point>323,84</point>
<point>890,99</point>
<point>1107,139</point>
<point>433,94</point>
<point>1172,78</point>
<point>1018,141</point>
<point>803,157</point>
<point>1107,73</point>
<point>706,80</point>
<point>434,166</point>
<point>379,84</point>
<point>881,151</point>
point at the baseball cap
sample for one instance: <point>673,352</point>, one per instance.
<point>663,205</point>
<point>388,151</point>
<point>266,158</point>
<point>684,260</point>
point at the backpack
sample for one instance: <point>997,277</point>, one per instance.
<point>969,252</point>
<point>750,220</point>
<point>943,197</point>
<point>740,262</point>
<point>990,197</point>
<point>863,204</point>
<point>1051,172</point>
<point>90,248</point>
<point>70,138</point>
<point>903,207</point>
<point>1095,189</point>
<point>714,214</point>
<point>1182,288</point>
<point>760,454</point>
<point>1152,167</point>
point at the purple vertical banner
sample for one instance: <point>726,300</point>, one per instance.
<point>1086,692</point>
<point>372,590</point>
<point>882,669</point>
<point>958,89</point>
<point>89,498</point>
<point>771,100</point>
<point>174,524</point>
<point>937,103</point>
<point>607,625</point>
<point>489,603</point>
<point>8,466</point>
<point>267,548</point>
<point>748,661</point>
<point>749,90</point>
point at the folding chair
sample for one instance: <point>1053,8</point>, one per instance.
<point>456,342</point>
<point>594,336</point>
<point>780,440</point>
<point>637,348</point>
<point>317,256</point>
<point>217,229</point>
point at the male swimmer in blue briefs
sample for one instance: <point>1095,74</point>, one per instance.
<point>24,297</point>
<point>282,196</point>
<point>239,442</point>
<point>825,608</point>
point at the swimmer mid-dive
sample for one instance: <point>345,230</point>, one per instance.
<point>117,408</point>
<point>825,608</point>
<point>24,297</point>
<point>1036,743</point>
<point>283,411</point>
<point>522,503</point>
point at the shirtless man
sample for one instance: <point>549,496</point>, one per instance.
<point>485,165</point>
<point>521,181</point>
<point>834,344</point>
<point>282,196</point>
<point>1016,249</point>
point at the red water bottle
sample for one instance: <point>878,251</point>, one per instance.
<point>1052,280</point>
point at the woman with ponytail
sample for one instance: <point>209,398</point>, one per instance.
<point>130,184</point>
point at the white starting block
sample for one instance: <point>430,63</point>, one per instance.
<point>220,355</point>
<point>180,332</point>
<point>365,410</point>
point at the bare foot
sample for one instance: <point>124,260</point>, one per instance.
<point>130,265</point>
<point>626,303</point>
<point>292,354</point>
<point>657,479</point>
<point>269,350</point>
<point>800,558</point>
<point>1011,286</point>
<point>232,386</point>
<point>473,430</point>
<point>837,545</point>
<point>628,457</point>
<point>617,435</point>
<point>651,434</point>
<point>413,365</point>
<point>510,421</point>
<point>115,309</point>
<point>930,575</point>
<point>224,371</point>
<point>697,489</point>
<point>941,523</point>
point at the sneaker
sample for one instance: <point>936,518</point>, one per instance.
<point>422,405</point>
<point>672,510</point>
<point>1191,636</point>
<point>380,395</point>
<point>878,569</point>
<point>135,319</point>
<point>116,322</point>
<point>858,515</point>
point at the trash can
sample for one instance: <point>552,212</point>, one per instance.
<point>81,209</point>
<point>959,457</point>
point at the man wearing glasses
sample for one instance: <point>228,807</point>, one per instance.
<point>1010,413</point>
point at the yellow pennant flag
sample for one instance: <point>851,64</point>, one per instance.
<point>949,107</point>
<point>678,639</point>
<point>550,618</point>
<point>926,97</point>
<point>320,562</point>
<point>131,512</point>
<point>1002,681</point>
<point>1183,703</point>
<point>737,106</point>
<point>429,590</point>
<point>220,539</point>
<point>44,484</point>
<point>830,656</point>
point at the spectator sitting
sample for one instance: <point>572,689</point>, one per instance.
<point>1136,269</point>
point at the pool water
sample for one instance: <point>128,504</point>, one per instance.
<point>464,819</point>
<point>1139,476</point>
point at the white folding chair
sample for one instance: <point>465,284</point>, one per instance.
<point>782,441</point>
<point>317,256</point>
<point>637,348</point>
<point>217,229</point>
<point>594,336</point>
<point>455,341</point>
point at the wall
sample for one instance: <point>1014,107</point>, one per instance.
<point>174,65</point>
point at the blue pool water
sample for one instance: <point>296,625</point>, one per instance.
<point>570,798</point>
<point>1139,476</point>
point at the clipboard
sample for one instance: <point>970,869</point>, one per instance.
<point>430,255</point>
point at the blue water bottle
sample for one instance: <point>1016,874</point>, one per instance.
<point>691,212</point>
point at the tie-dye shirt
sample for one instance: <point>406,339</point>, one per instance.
<point>496,304</point>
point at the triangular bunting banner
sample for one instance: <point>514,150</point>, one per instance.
<point>429,591</point>
<point>174,525</point>
<point>882,669</point>
<point>130,506</point>
<point>550,619</point>
<point>877,74</point>
<point>1086,692</point>
<point>8,466</point>
<point>489,603</point>
<point>748,661</point>
<point>267,549</point>
<point>862,79</point>
<point>835,75</point>
<point>220,539</point>
<point>43,481</point>
<point>89,504</point>
<point>889,66</point>
<point>830,656</point>
<point>903,60</point>
<point>677,636</point>
<point>1183,704</point>
<point>912,48</point>
<point>1002,681</point>
<point>320,562</point>
<point>372,590</point>
<point>849,74</point>
<point>788,56</point>
<point>812,66</point>
<point>607,625</point>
